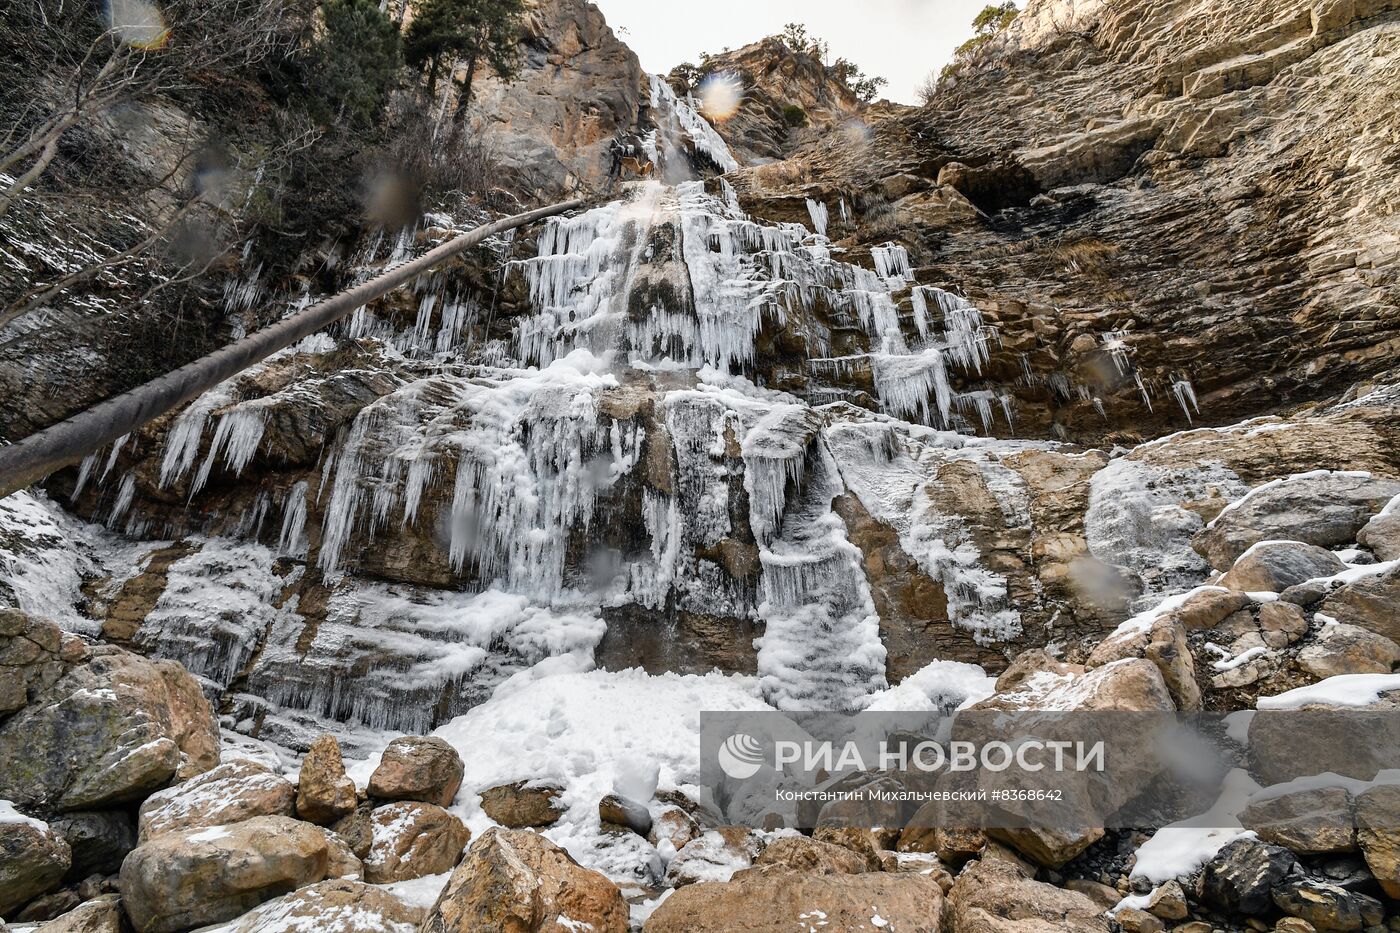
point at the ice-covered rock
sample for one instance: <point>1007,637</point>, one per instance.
<point>33,858</point>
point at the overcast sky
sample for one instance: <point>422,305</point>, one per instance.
<point>902,40</point>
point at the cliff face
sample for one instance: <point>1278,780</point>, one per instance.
<point>776,79</point>
<point>1144,197</point>
<point>579,86</point>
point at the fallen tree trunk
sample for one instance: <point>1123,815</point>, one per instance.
<point>72,439</point>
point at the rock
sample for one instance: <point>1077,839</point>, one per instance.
<point>1378,835</point>
<point>1348,649</point>
<point>100,915</point>
<point>412,839</point>
<point>1382,533</point>
<point>1309,822</point>
<point>619,811</point>
<point>516,881</point>
<point>30,658</point>
<point>1238,880</point>
<point>956,845</point>
<point>1168,901</point>
<point>807,856</point>
<point>100,839</point>
<point>921,834</point>
<point>1100,894</point>
<point>48,906</point>
<point>340,906</point>
<point>1281,623</point>
<point>714,856</point>
<point>418,768</point>
<point>1128,685</point>
<point>997,897</point>
<point>1164,644</point>
<point>863,842</point>
<point>1208,606</point>
<point>1328,906</point>
<point>1319,508</point>
<point>110,731</point>
<point>341,860</point>
<point>1050,847</point>
<point>1274,566</point>
<point>1029,663</point>
<point>33,858</point>
<point>1291,925</point>
<point>674,827</point>
<point>230,793</point>
<point>325,792</point>
<point>781,901</point>
<point>188,878</point>
<point>1133,920</point>
<point>1372,603</point>
<point>523,804</point>
<point>356,829</point>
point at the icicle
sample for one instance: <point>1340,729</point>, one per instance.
<point>1185,395</point>
<point>817,211</point>
<point>292,542</point>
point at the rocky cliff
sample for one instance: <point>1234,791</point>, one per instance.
<point>1073,390</point>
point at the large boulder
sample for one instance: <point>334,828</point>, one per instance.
<point>1378,835</point>
<point>188,878</point>
<point>763,902</point>
<point>997,896</point>
<point>523,804</point>
<point>1241,877</point>
<point>230,793</point>
<point>33,858</point>
<point>1372,603</point>
<point>1321,508</point>
<point>1163,642</point>
<point>100,839</point>
<point>807,856</point>
<point>411,839</point>
<point>1274,566</point>
<point>714,856</point>
<point>1308,822</point>
<point>1348,649</point>
<point>1124,685</point>
<point>1382,532</point>
<point>1328,906</point>
<point>418,768</point>
<point>33,655</point>
<point>340,906</point>
<point>325,793</point>
<point>109,731</point>
<point>517,881</point>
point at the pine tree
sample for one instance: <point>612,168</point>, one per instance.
<point>473,31</point>
<point>356,61</point>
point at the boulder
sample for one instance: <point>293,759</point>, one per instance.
<point>109,731</point>
<point>1382,533</point>
<point>1168,901</point>
<point>1127,685</point>
<point>31,658</point>
<point>48,906</point>
<point>100,839</point>
<point>1164,644</point>
<point>1378,835</point>
<point>628,814</point>
<point>418,768</point>
<point>187,878</point>
<point>412,839</point>
<point>102,914</point>
<point>806,855</point>
<point>341,906</point>
<point>33,858</point>
<point>865,843</point>
<point>1274,566</point>
<point>341,860</point>
<point>714,856</point>
<point>516,881</point>
<point>994,896</point>
<point>955,845</point>
<point>1348,649</point>
<point>230,793</point>
<point>1309,822</point>
<point>767,903</point>
<point>1241,876</point>
<point>1320,508</point>
<point>355,828</point>
<point>1208,606</point>
<point>1136,920</point>
<point>1050,847</point>
<point>1372,603</point>
<point>1328,906</point>
<point>523,804</point>
<point>325,793</point>
<point>921,833</point>
<point>1281,624</point>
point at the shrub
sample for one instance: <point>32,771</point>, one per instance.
<point>794,116</point>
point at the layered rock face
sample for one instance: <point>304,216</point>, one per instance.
<point>1156,204</point>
